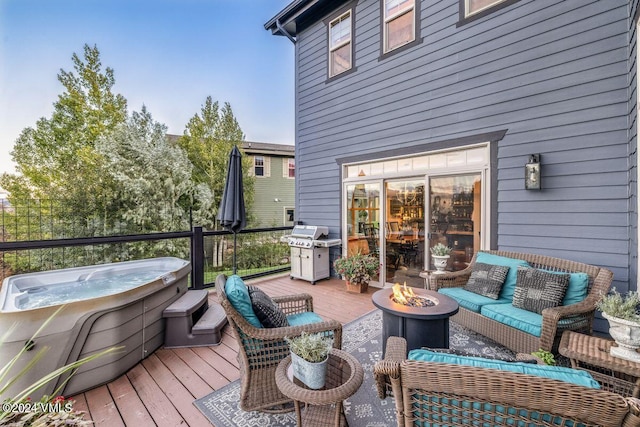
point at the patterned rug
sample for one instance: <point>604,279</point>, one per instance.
<point>361,338</point>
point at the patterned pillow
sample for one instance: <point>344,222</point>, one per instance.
<point>538,289</point>
<point>487,279</point>
<point>268,312</point>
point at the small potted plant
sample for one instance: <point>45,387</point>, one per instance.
<point>440,254</point>
<point>309,355</point>
<point>623,314</point>
<point>357,270</point>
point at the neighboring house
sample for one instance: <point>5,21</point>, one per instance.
<point>274,190</point>
<point>274,169</point>
<point>415,119</point>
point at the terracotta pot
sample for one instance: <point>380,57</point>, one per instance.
<point>357,288</point>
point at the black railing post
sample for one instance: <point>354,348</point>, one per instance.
<point>197,258</point>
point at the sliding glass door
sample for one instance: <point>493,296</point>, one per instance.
<point>455,216</point>
<point>363,219</point>
<point>404,231</point>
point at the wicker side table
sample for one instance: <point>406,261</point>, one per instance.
<point>592,354</point>
<point>324,406</point>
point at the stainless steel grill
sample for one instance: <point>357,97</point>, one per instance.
<point>310,252</point>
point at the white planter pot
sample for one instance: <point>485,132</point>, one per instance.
<point>440,263</point>
<point>627,335</point>
<point>311,374</point>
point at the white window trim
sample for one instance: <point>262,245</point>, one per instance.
<point>286,217</point>
<point>468,14</point>
<point>285,167</point>
<point>387,19</point>
<point>266,166</point>
<point>343,43</point>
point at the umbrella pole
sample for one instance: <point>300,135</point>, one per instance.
<point>234,254</point>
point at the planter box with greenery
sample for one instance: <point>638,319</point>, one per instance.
<point>357,270</point>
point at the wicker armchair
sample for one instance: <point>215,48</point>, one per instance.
<point>576,317</point>
<point>441,394</point>
<point>261,349</point>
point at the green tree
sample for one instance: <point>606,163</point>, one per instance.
<point>57,157</point>
<point>208,139</point>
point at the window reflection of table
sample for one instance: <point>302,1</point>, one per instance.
<point>406,248</point>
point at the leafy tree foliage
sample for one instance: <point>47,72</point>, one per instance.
<point>57,157</point>
<point>208,139</point>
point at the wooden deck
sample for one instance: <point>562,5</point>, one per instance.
<point>161,389</point>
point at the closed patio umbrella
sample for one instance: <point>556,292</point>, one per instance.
<point>232,214</point>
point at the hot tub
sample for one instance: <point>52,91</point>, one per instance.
<point>107,305</point>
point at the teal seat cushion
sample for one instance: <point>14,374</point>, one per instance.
<point>513,264</point>
<point>524,320</point>
<point>238,296</point>
<point>573,376</point>
<point>578,287</point>
<point>470,300</point>
<point>305,318</point>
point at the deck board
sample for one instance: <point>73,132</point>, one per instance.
<point>161,389</point>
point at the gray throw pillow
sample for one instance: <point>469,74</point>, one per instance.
<point>538,289</point>
<point>267,311</point>
<point>487,279</point>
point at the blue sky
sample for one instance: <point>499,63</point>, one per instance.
<point>166,54</point>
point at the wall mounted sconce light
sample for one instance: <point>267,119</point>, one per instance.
<point>532,173</point>
<point>276,200</point>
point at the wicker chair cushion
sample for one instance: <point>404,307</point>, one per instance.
<point>470,300</point>
<point>238,296</point>
<point>305,318</point>
<point>510,283</point>
<point>268,312</point>
<point>487,279</point>
<point>538,289</point>
<point>573,376</point>
<point>518,318</point>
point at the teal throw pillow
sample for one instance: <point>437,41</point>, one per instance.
<point>578,287</point>
<point>238,296</point>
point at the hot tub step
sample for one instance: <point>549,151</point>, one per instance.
<point>190,321</point>
<point>211,321</point>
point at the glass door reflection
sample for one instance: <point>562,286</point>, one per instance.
<point>363,219</point>
<point>404,231</point>
<point>455,216</point>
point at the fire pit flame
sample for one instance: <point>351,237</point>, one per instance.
<point>404,295</point>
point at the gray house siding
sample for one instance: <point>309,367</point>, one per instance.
<point>554,74</point>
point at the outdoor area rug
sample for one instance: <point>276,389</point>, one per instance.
<point>363,339</point>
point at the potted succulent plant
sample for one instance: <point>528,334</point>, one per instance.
<point>623,314</point>
<point>357,270</point>
<point>309,355</point>
<point>440,254</point>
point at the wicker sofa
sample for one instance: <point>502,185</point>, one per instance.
<point>444,394</point>
<point>554,321</point>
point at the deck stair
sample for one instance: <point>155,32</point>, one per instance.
<point>191,321</point>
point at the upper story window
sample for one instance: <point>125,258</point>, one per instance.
<point>261,166</point>
<point>399,23</point>
<point>475,6</point>
<point>340,44</point>
<point>471,10</point>
<point>289,168</point>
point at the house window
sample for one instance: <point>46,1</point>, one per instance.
<point>289,168</point>
<point>261,166</point>
<point>399,23</point>
<point>340,44</point>
<point>470,10</point>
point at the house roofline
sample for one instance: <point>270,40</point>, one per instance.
<point>299,13</point>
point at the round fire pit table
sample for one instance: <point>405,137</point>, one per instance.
<point>420,326</point>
